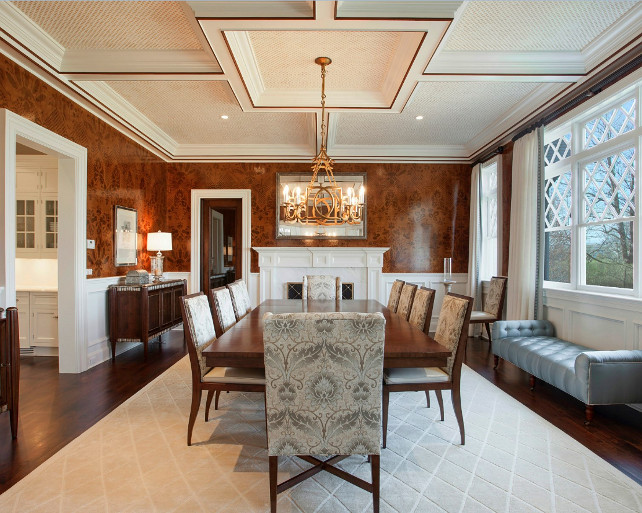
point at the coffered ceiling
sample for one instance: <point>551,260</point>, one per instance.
<point>410,81</point>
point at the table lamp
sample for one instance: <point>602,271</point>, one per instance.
<point>158,241</point>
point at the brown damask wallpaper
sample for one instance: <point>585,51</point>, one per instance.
<point>119,171</point>
<point>507,182</point>
<point>419,211</point>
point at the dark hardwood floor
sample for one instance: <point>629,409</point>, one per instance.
<point>615,433</point>
<point>56,408</point>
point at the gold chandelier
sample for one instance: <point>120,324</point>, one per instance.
<point>323,203</point>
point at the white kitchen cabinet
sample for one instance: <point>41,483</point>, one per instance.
<point>38,318</point>
<point>36,207</point>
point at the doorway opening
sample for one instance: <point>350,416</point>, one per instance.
<point>220,242</point>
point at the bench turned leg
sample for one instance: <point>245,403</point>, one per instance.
<point>588,412</point>
<point>531,382</point>
<point>496,358</point>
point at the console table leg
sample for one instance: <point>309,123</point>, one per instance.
<point>588,412</point>
<point>496,358</point>
<point>531,382</point>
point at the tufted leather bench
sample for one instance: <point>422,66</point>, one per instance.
<point>593,377</point>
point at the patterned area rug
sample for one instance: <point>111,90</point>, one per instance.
<point>136,460</point>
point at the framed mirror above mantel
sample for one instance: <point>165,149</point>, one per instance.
<point>332,211</point>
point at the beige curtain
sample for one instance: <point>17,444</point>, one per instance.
<point>473,288</point>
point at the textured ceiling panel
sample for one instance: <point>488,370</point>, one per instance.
<point>454,113</point>
<point>360,60</point>
<point>114,25</point>
<point>190,113</point>
<point>533,26</point>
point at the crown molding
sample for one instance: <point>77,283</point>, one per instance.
<point>104,94</point>
<point>23,30</point>
<point>614,38</point>
<point>138,61</point>
<point>507,63</point>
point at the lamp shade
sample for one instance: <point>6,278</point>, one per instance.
<point>159,241</point>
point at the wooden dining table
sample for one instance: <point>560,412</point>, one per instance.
<point>405,345</point>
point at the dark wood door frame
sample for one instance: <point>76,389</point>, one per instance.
<point>225,204</point>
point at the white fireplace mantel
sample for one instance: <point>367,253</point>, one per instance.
<point>359,265</point>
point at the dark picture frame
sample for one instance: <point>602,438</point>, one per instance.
<point>125,236</point>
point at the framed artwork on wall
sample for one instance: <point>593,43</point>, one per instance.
<point>125,235</point>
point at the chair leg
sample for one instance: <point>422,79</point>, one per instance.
<point>384,414</point>
<point>208,403</point>
<point>374,466</point>
<point>427,398</point>
<point>458,414</point>
<point>196,403</point>
<point>487,324</point>
<point>440,400</point>
<point>496,358</point>
<point>218,393</point>
<point>274,466</point>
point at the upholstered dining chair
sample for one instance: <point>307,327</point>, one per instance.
<point>493,306</point>
<point>240,298</point>
<point>395,294</point>
<point>321,287</point>
<point>452,332</point>
<point>323,393</point>
<point>223,308</point>
<point>199,335</point>
<point>405,300</point>
<point>421,311</point>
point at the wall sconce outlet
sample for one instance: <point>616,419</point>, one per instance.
<point>91,244</point>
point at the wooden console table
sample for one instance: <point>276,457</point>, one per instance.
<point>140,312</point>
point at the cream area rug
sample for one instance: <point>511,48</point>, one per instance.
<point>136,460</point>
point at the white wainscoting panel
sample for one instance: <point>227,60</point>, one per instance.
<point>430,280</point>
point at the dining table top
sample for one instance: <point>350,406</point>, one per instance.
<point>405,345</point>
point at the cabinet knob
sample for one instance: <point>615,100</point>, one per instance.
<point>55,316</point>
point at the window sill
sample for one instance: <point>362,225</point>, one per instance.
<point>594,298</point>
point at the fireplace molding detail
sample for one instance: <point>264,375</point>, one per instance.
<point>359,265</point>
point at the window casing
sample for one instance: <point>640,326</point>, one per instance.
<point>590,213</point>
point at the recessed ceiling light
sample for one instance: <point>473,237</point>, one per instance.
<point>419,117</point>
<point>224,116</point>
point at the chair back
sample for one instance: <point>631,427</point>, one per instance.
<point>405,301</point>
<point>323,374</point>
<point>321,287</point>
<point>240,299</point>
<point>395,294</point>
<point>223,309</point>
<point>494,303</point>
<point>452,330</point>
<point>199,331</point>
<point>421,311</point>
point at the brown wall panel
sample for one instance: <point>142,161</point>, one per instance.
<point>507,182</point>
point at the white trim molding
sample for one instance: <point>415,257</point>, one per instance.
<point>72,235</point>
<point>245,195</point>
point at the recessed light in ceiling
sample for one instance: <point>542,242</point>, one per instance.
<point>224,116</point>
<point>419,117</point>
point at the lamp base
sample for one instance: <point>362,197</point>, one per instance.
<point>157,266</point>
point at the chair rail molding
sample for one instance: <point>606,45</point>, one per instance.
<point>359,265</point>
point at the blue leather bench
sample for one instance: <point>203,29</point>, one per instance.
<point>593,377</point>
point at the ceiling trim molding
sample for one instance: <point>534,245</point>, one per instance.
<point>20,27</point>
<point>240,48</point>
<point>496,63</point>
<point>138,61</point>
<point>410,11</point>
<point>304,151</point>
<point>400,151</point>
<point>260,10</point>
<point>624,30</point>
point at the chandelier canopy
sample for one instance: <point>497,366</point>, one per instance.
<point>323,202</point>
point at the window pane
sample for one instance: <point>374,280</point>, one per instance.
<point>20,240</point>
<point>609,255</point>
<point>31,224</point>
<point>30,207</point>
<point>50,241</point>
<point>558,196</point>
<point>609,187</point>
<point>557,150</point>
<point>49,208</point>
<point>557,259</point>
<point>610,124</point>
<point>20,207</point>
<point>31,242</point>
<point>20,224</point>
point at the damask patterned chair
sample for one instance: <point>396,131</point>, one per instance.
<point>224,316</point>
<point>405,300</point>
<point>452,332</point>
<point>493,306</point>
<point>395,294</point>
<point>421,311</point>
<point>323,392</point>
<point>321,287</point>
<point>240,299</point>
<point>199,335</point>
